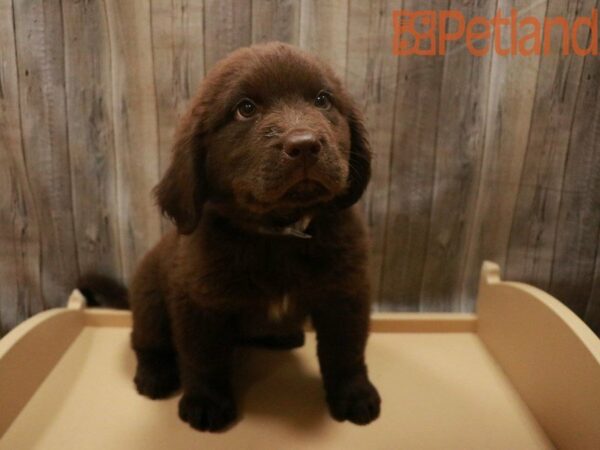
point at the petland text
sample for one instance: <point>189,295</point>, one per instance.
<point>427,32</point>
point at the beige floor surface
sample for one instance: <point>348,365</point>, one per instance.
<point>439,391</point>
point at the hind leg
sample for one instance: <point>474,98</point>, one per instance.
<point>156,375</point>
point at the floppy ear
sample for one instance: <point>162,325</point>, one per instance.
<point>360,161</point>
<point>181,192</point>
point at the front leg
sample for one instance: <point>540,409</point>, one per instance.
<point>341,320</point>
<point>204,343</point>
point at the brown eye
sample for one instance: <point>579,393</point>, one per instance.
<point>245,110</point>
<point>323,100</point>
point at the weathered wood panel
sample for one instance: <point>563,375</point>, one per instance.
<point>509,106</point>
<point>592,312</point>
<point>475,157</point>
<point>91,138</point>
<point>40,65</point>
<point>371,73</point>
<point>458,143</point>
<point>324,31</point>
<point>178,56</point>
<point>577,238</point>
<point>412,166</point>
<point>135,128</point>
<point>533,231</point>
<point>276,20</point>
<point>20,287</point>
<point>228,26</point>
<point>585,136</point>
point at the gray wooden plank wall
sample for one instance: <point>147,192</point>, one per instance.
<point>475,157</point>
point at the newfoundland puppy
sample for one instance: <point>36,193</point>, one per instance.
<point>266,165</point>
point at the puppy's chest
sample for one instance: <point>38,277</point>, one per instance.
<point>278,264</point>
<point>274,307</point>
<point>279,308</point>
<point>268,276</point>
<point>273,316</point>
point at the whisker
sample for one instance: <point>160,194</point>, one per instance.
<point>356,171</point>
<point>365,157</point>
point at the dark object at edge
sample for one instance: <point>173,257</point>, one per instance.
<point>100,290</point>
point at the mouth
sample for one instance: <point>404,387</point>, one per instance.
<point>305,190</point>
<point>287,191</point>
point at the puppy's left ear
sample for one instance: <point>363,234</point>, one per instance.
<point>360,161</point>
<point>181,192</point>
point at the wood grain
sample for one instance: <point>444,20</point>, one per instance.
<point>91,137</point>
<point>533,231</point>
<point>509,109</point>
<point>43,118</point>
<point>228,25</point>
<point>460,137</point>
<point>324,31</point>
<point>371,73</point>
<point>577,237</point>
<point>20,293</point>
<point>412,169</point>
<point>135,128</point>
<point>474,157</point>
<point>592,312</point>
<point>178,61</point>
<point>276,20</point>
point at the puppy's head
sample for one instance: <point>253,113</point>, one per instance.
<point>271,130</point>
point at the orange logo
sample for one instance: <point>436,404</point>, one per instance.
<point>427,33</point>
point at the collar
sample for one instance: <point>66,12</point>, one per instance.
<point>296,229</point>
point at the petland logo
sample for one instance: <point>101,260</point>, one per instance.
<point>428,32</point>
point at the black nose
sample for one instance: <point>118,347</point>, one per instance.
<point>298,144</point>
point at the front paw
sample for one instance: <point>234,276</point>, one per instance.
<point>355,400</point>
<point>207,412</point>
<point>156,381</point>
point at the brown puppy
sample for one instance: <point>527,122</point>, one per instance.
<point>266,165</point>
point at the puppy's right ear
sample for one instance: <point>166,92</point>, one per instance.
<point>181,192</point>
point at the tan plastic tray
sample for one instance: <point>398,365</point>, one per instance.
<point>524,373</point>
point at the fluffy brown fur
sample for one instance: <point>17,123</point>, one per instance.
<point>239,176</point>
